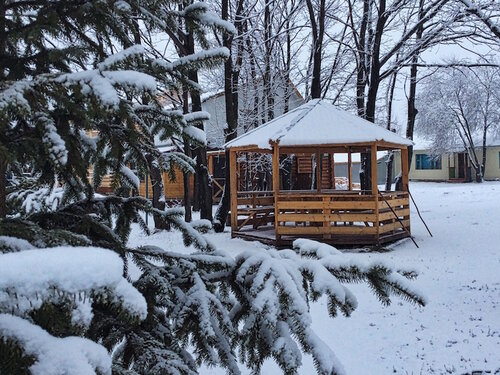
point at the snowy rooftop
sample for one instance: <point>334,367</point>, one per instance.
<point>317,122</point>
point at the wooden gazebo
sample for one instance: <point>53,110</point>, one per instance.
<point>347,216</point>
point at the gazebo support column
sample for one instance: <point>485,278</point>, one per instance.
<point>233,191</point>
<point>276,185</point>
<point>404,168</point>
<point>318,171</point>
<point>332,170</point>
<point>349,167</point>
<point>374,178</point>
<point>404,177</point>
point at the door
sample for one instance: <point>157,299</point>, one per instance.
<point>461,165</point>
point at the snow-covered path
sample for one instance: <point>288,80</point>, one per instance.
<point>459,329</point>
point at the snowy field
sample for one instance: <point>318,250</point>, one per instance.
<point>459,329</point>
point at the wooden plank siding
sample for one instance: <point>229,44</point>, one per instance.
<point>173,190</point>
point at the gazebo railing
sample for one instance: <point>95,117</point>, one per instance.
<point>336,214</point>
<point>347,215</point>
<point>326,214</point>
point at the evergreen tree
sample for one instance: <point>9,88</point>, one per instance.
<point>78,91</point>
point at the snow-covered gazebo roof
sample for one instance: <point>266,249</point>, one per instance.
<point>317,122</point>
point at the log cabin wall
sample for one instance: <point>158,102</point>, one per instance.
<point>174,190</point>
<point>302,169</point>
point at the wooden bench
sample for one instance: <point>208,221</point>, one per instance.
<point>259,215</point>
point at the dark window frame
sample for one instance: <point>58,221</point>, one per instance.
<point>425,162</point>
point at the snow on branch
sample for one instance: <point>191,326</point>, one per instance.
<point>201,12</point>
<point>42,199</point>
<point>53,355</point>
<point>280,284</point>
<point>35,276</point>
<point>195,134</point>
<point>477,11</point>
<point>196,59</point>
<point>136,50</point>
<point>51,138</point>
<point>197,116</point>
<point>13,95</point>
<point>175,217</point>
<point>13,244</point>
<point>104,84</point>
<point>130,177</point>
<point>177,159</point>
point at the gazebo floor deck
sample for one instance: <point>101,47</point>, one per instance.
<point>267,235</point>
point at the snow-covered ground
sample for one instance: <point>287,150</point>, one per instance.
<point>459,329</point>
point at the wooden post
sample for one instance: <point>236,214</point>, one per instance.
<point>332,170</point>
<point>210,159</point>
<point>276,185</point>
<point>374,178</point>
<point>349,168</point>
<point>404,168</point>
<point>233,191</point>
<point>318,171</point>
<point>404,176</point>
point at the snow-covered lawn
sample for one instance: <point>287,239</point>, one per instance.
<point>459,329</point>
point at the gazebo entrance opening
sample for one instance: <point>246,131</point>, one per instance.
<point>290,192</point>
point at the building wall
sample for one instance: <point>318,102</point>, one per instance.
<point>216,106</point>
<point>341,170</point>
<point>429,174</point>
<point>492,169</point>
<point>173,190</point>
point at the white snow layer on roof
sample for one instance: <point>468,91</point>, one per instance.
<point>314,123</point>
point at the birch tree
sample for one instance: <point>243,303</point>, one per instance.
<point>461,110</point>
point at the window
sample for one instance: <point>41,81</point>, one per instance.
<point>304,164</point>
<point>424,161</point>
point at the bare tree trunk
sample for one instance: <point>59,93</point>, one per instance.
<point>318,31</point>
<point>287,64</point>
<point>412,110</point>
<point>268,79</point>
<point>3,185</point>
<point>158,192</point>
<point>203,181</point>
<point>231,78</point>
<point>390,160</point>
<point>186,177</point>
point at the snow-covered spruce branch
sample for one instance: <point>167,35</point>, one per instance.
<point>177,159</point>
<point>54,355</point>
<point>191,236</point>
<point>257,306</point>
<point>201,59</point>
<point>36,276</point>
<point>277,287</point>
<point>200,12</point>
<point>34,199</point>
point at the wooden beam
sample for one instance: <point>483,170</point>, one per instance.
<point>404,168</point>
<point>374,177</point>
<point>332,170</point>
<point>210,159</point>
<point>349,167</point>
<point>233,191</point>
<point>250,148</point>
<point>318,172</point>
<point>276,185</point>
